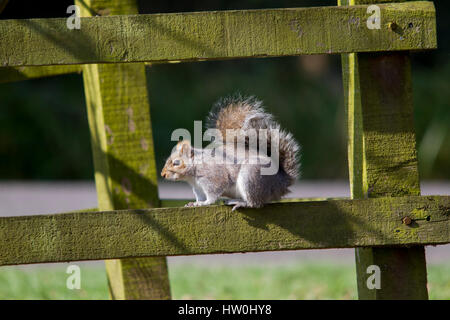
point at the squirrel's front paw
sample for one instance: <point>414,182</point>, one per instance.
<point>190,204</point>
<point>198,204</point>
<point>195,204</point>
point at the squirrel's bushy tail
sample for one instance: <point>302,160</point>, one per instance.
<point>244,113</point>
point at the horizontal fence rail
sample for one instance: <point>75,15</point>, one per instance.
<point>11,74</point>
<point>217,35</point>
<point>184,231</point>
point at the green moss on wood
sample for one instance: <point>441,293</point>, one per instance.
<point>383,160</point>
<point>215,35</point>
<point>122,144</point>
<point>25,73</point>
<point>215,229</point>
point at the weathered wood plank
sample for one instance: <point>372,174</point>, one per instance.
<point>360,2</point>
<point>165,203</point>
<point>216,35</point>
<point>389,168</point>
<point>10,74</point>
<point>170,203</point>
<point>215,229</point>
<point>125,170</point>
<point>383,161</point>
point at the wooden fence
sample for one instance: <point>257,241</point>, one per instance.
<point>387,220</point>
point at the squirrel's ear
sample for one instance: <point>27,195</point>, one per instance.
<point>184,148</point>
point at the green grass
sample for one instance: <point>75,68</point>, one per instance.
<point>293,281</point>
<point>300,281</point>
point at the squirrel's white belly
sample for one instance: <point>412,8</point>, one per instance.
<point>232,192</point>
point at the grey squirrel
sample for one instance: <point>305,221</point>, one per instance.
<point>239,176</point>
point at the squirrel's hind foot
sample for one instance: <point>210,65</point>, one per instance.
<point>237,204</point>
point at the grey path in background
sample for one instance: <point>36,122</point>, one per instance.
<point>27,198</point>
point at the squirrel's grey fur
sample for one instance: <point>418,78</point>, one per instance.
<point>240,177</point>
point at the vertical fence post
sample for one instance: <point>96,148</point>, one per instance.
<point>122,144</point>
<point>382,159</point>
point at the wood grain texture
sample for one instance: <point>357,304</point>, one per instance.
<point>390,168</point>
<point>362,2</point>
<point>122,144</point>
<point>11,74</point>
<point>383,161</point>
<point>215,229</point>
<point>171,203</point>
<point>215,35</point>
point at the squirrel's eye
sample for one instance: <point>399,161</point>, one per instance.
<point>176,162</point>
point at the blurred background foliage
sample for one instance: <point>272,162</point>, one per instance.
<point>43,123</point>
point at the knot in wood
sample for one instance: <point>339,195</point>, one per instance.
<point>393,26</point>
